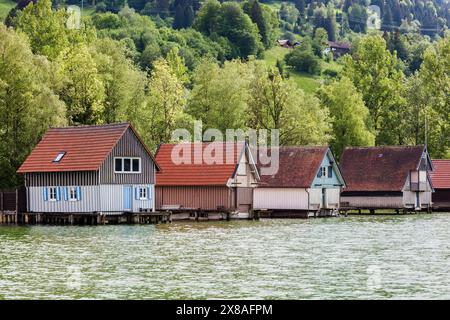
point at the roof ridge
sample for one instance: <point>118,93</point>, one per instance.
<point>116,124</point>
<point>389,147</point>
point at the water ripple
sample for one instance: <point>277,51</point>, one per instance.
<point>403,257</point>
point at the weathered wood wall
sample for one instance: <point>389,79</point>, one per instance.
<point>194,197</point>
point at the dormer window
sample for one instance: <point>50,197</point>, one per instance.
<point>59,156</point>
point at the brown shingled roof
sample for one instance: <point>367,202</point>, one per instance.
<point>379,168</point>
<point>85,148</point>
<point>297,167</point>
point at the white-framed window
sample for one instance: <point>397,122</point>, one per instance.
<point>127,165</point>
<point>52,193</point>
<point>143,193</point>
<point>73,193</point>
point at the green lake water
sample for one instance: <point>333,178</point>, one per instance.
<point>384,257</point>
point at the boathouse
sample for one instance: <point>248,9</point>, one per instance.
<point>213,180</point>
<point>441,184</point>
<point>308,183</point>
<point>99,169</point>
<point>388,177</point>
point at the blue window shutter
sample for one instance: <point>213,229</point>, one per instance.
<point>78,193</point>
<point>66,196</point>
<point>58,193</point>
<point>137,193</point>
<point>330,171</point>
<point>45,193</point>
<point>149,192</point>
<point>319,174</point>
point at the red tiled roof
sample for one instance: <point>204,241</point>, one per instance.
<point>441,174</point>
<point>197,174</point>
<point>297,167</point>
<point>85,147</point>
<point>379,168</point>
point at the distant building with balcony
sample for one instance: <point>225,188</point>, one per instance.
<point>387,178</point>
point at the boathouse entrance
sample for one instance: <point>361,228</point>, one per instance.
<point>127,198</point>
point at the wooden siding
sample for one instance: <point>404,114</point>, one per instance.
<point>441,199</point>
<point>244,196</point>
<point>280,198</point>
<point>195,197</point>
<point>332,198</point>
<point>295,198</point>
<point>89,201</point>
<point>128,146</point>
<point>410,198</point>
<point>104,198</point>
<point>112,198</point>
<point>70,178</point>
<point>13,200</point>
<point>372,202</point>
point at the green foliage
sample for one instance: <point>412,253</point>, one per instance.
<point>81,86</point>
<point>434,79</point>
<point>44,27</point>
<point>124,84</point>
<point>229,21</point>
<point>302,59</point>
<point>376,74</point>
<point>164,109</point>
<point>265,19</point>
<point>219,95</point>
<point>320,41</point>
<point>279,104</point>
<point>28,105</point>
<point>349,115</point>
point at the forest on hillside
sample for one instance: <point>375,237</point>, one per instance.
<point>162,64</point>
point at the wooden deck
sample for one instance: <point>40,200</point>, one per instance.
<point>28,218</point>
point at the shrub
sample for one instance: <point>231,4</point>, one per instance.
<point>303,61</point>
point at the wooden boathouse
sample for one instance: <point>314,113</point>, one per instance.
<point>308,183</point>
<point>441,184</point>
<point>395,178</point>
<point>202,181</point>
<point>89,175</point>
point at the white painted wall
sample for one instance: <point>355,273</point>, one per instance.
<point>104,198</point>
<point>89,201</point>
<point>332,198</point>
<point>280,198</point>
<point>373,202</point>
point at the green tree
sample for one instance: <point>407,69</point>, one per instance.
<point>302,58</point>
<point>176,64</point>
<point>348,113</point>
<point>376,74</point>
<point>124,84</point>
<point>264,18</point>
<point>219,95</point>
<point>434,77</point>
<point>164,109</point>
<point>320,41</point>
<point>45,28</point>
<point>28,104</point>
<point>279,104</point>
<point>81,86</point>
<point>229,21</point>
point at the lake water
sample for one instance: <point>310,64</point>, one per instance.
<point>393,257</point>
